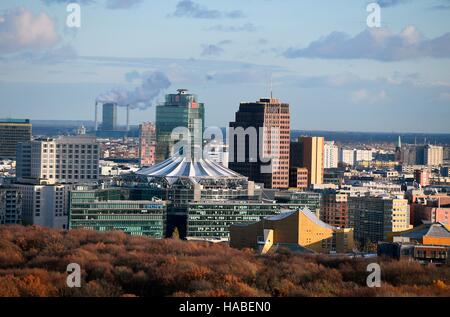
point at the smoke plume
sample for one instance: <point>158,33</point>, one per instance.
<point>141,97</point>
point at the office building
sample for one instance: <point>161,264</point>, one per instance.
<point>331,155</point>
<point>334,209</point>
<point>308,152</point>
<point>211,219</point>
<point>109,122</point>
<point>303,199</point>
<point>180,110</point>
<point>61,160</point>
<point>45,205</point>
<point>110,209</point>
<point>182,180</point>
<point>13,132</point>
<point>10,205</point>
<point>300,231</point>
<point>298,177</point>
<point>373,217</point>
<point>259,143</point>
<point>147,144</point>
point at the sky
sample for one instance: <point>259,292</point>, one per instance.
<point>321,57</point>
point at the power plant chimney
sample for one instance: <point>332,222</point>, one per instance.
<point>128,118</point>
<point>96,116</point>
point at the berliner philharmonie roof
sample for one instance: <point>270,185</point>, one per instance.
<point>181,166</point>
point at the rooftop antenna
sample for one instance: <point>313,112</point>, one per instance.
<point>270,86</point>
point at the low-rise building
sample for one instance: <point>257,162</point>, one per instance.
<point>45,205</point>
<point>299,231</point>
<point>429,242</point>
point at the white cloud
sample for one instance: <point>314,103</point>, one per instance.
<point>21,29</point>
<point>191,9</point>
<point>377,43</point>
<point>364,96</point>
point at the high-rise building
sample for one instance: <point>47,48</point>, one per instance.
<point>61,160</point>
<point>331,155</point>
<point>308,152</point>
<point>412,155</point>
<point>433,155</point>
<point>180,110</point>
<point>109,122</point>
<point>10,205</point>
<point>259,145</point>
<point>45,205</point>
<point>147,143</point>
<point>347,156</point>
<point>13,132</point>
<point>373,217</point>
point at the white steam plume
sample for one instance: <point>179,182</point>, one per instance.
<point>141,97</point>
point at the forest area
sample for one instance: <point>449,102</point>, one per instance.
<point>33,263</point>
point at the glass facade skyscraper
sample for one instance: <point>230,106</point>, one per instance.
<point>179,110</point>
<point>13,132</point>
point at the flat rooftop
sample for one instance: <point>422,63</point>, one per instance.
<point>14,121</point>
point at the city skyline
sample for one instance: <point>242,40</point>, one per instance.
<point>228,56</point>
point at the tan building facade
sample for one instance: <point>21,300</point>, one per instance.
<point>299,230</point>
<point>308,152</point>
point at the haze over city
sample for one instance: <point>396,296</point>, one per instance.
<point>334,71</point>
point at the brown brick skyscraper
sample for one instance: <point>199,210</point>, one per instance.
<point>271,118</point>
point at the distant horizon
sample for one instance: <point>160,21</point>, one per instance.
<point>91,122</point>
